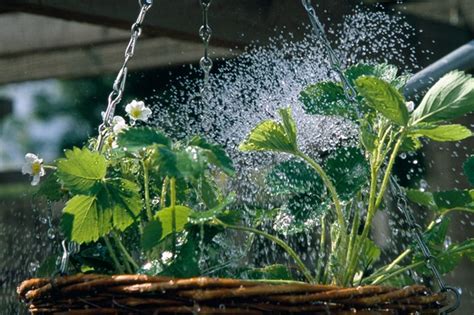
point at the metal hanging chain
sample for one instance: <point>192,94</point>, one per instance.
<point>205,33</point>
<point>402,205</point>
<point>114,98</point>
<point>318,30</point>
<point>119,84</point>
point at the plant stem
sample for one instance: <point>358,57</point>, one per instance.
<point>352,243</point>
<point>146,184</point>
<point>164,189</point>
<point>173,212</point>
<point>276,240</point>
<point>118,266</point>
<point>380,272</point>
<point>389,168</point>
<point>322,251</point>
<point>332,190</point>
<point>126,254</point>
<point>397,272</point>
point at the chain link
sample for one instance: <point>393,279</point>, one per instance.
<point>205,32</point>
<point>415,228</point>
<point>402,204</point>
<point>70,248</point>
<point>318,30</point>
<point>119,84</point>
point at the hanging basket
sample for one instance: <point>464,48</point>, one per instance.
<point>140,294</point>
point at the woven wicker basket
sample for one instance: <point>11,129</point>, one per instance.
<point>140,294</point>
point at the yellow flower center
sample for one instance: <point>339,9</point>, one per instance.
<point>35,168</point>
<point>135,112</point>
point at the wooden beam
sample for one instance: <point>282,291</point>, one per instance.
<point>233,22</point>
<point>97,60</point>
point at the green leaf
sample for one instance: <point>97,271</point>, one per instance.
<point>453,199</point>
<point>123,198</point>
<point>48,267</point>
<point>423,198</point>
<point>293,177</point>
<point>384,98</point>
<point>82,170</point>
<point>270,135</point>
<point>411,143</point>
<point>135,139</point>
<point>198,217</point>
<point>51,189</point>
<point>82,220</point>
<point>382,71</point>
<point>325,98</point>
<point>215,154</point>
<point>272,272</point>
<point>468,168</point>
<point>288,124</point>
<point>367,137</point>
<point>151,235</point>
<point>437,234</point>
<point>451,97</point>
<point>370,255</point>
<point>167,221</point>
<point>186,264</point>
<point>443,133</point>
<point>348,170</point>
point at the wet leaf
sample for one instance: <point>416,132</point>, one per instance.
<point>292,177</point>
<point>468,168</point>
<point>423,198</point>
<point>215,154</point>
<point>382,71</point>
<point>274,136</point>
<point>51,189</point>
<point>443,133</point>
<point>82,170</point>
<point>123,199</point>
<point>167,221</point>
<point>453,199</point>
<point>135,139</point>
<point>451,97</point>
<point>348,169</point>
<point>411,143</point>
<point>326,98</point>
<point>384,98</point>
<point>198,217</point>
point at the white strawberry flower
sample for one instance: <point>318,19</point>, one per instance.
<point>138,111</point>
<point>118,124</point>
<point>34,167</point>
<point>410,106</point>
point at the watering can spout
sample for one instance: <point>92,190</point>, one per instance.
<point>460,59</point>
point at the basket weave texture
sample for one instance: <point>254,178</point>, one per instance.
<point>141,294</point>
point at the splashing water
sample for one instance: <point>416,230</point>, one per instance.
<point>244,91</point>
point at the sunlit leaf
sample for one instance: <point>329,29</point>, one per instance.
<point>382,71</point>
<point>444,132</point>
<point>384,98</point>
<point>82,170</point>
<point>134,139</point>
<point>451,97</point>
<point>270,135</point>
<point>82,220</point>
